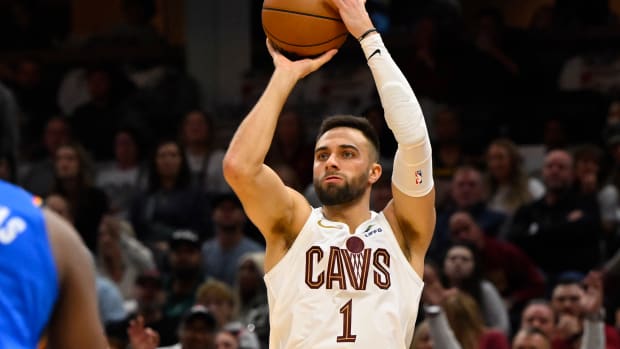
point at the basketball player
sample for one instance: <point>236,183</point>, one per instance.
<point>47,283</point>
<point>340,276</point>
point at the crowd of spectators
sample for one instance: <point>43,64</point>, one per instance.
<point>526,147</point>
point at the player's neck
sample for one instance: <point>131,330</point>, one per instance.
<point>351,214</point>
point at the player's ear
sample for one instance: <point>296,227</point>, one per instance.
<point>374,173</point>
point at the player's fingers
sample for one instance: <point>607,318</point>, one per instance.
<point>325,57</point>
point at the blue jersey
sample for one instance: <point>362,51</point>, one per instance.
<point>28,277</point>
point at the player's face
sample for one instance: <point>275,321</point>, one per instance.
<point>342,166</point>
<point>538,316</point>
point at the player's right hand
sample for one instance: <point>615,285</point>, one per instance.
<point>300,68</point>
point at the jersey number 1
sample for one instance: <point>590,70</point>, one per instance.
<point>346,312</point>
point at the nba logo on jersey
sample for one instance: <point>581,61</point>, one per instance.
<point>418,177</point>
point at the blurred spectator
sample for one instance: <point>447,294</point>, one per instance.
<point>422,337</point>
<point>448,150</point>
<point>186,273</point>
<point>251,293</point>
<point>120,256</point>
<point>562,220</point>
<point>150,298</point>
<point>123,178</point>
<point>508,185</point>
<point>578,304</point>
<point>429,63</point>
<point>531,338</point>
<point>225,339</point>
<point>219,299</point>
<point>462,269</point>
<point>197,331</point>
<point>169,203</point>
<point>381,193</point>
<point>136,29</point>
<point>467,193</point>
<point>38,175</point>
<point>388,145</point>
<point>9,124</point>
<point>511,271</point>
<point>110,301</point>
<point>109,298</point>
<point>204,159</point>
<point>95,122</point>
<point>290,146</point>
<point>221,253</point>
<point>74,181</point>
<point>542,19</point>
<point>466,321</point>
<point>34,97</point>
<point>589,181</point>
<point>8,170</point>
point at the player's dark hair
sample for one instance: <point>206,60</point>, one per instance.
<point>355,122</point>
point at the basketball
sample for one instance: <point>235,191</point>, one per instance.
<point>303,28</point>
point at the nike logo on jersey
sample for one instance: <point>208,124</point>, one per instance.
<point>10,228</point>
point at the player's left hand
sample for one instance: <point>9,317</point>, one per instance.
<point>354,15</point>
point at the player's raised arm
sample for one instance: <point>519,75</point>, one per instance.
<point>266,200</point>
<point>412,179</point>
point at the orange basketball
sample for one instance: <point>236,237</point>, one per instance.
<point>303,28</point>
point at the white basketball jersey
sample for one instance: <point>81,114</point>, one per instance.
<point>336,289</point>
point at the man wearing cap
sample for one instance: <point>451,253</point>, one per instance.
<point>185,272</point>
<point>196,331</point>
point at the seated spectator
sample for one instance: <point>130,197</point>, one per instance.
<point>123,178</point>
<point>197,330</point>
<point>221,253</point>
<point>37,176</point>
<point>562,220</point>
<point>290,146</point>
<point>121,257</point>
<point>8,168</point>
<point>185,274</point>
<point>531,338</point>
<point>169,203</point>
<point>467,194</point>
<point>512,272</point>
<point>149,306</point>
<point>220,300</point>
<point>95,122</point>
<point>251,295</point>
<point>462,269</point>
<point>73,179</point>
<point>422,338</point>
<point>465,325</point>
<point>508,185</point>
<point>578,304</point>
<point>204,159</point>
<point>589,181</point>
<point>227,339</point>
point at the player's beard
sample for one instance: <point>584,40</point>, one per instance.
<point>334,194</point>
